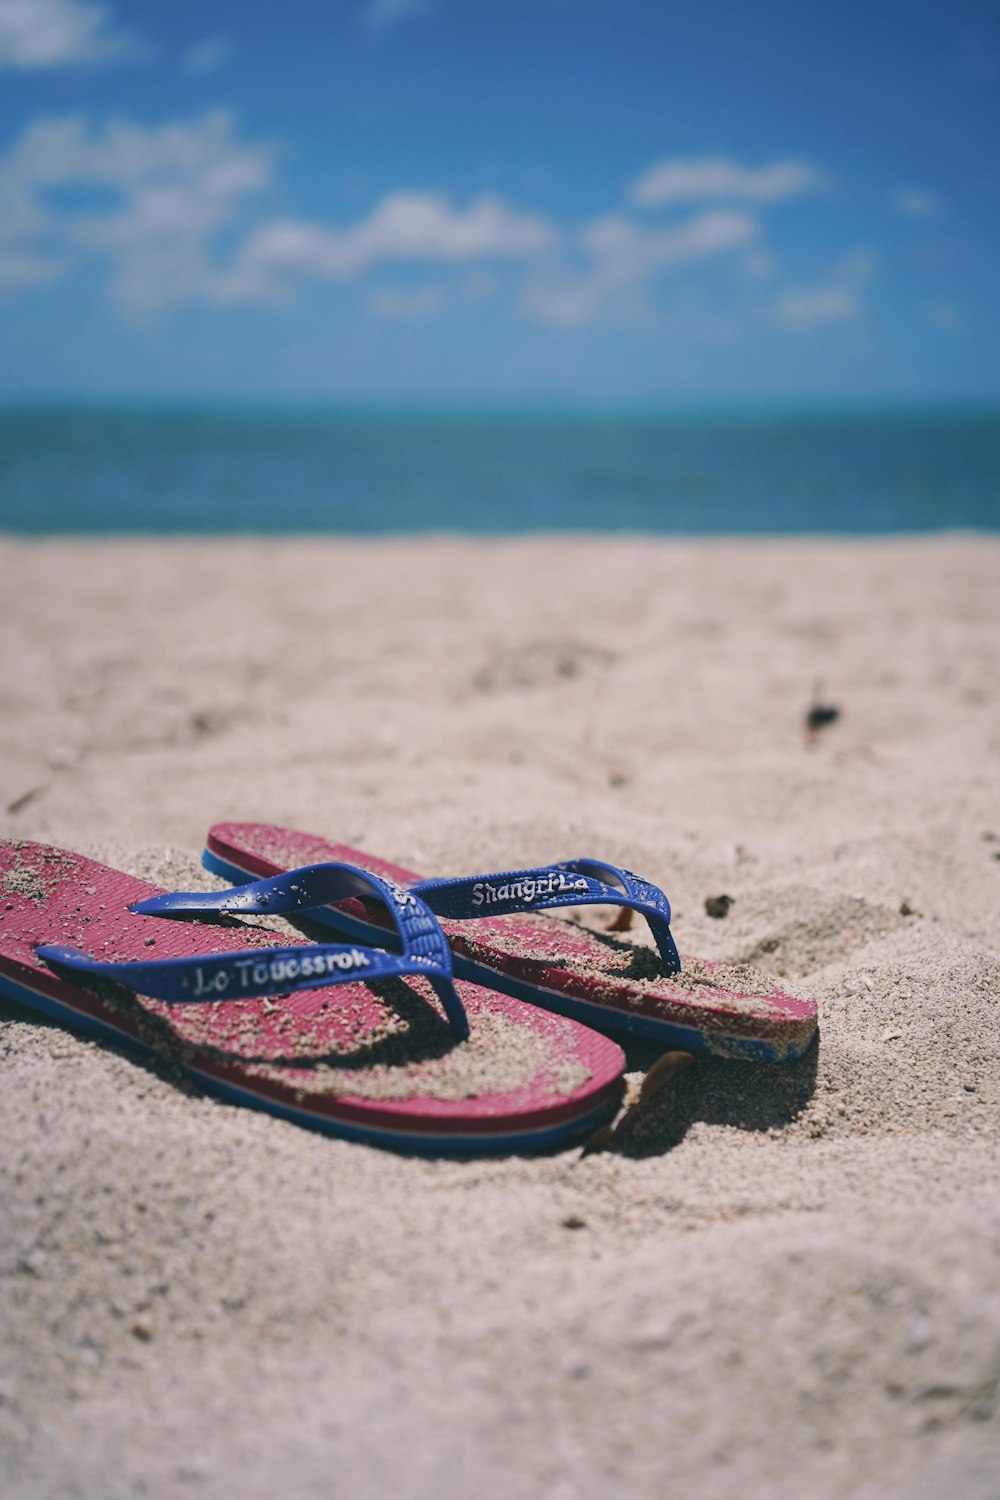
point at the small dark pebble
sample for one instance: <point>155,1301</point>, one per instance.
<point>906,910</point>
<point>820,714</point>
<point>617,778</point>
<point>718,906</point>
<point>970,1088</point>
<point>997,855</point>
<point>991,838</point>
<point>573,1221</point>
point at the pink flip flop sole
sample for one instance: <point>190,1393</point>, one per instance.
<point>333,1058</point>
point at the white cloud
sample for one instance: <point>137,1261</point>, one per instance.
<point>380,15</point>
<point>689,179</point>
<point>165,208</point>
<point>633,251</point>
<point>837,299</point>
<point>623,256</point>
<point>152,201</point>
<point>404,226</point>
<point>37,34</point>
<point>148,198</point>
<point>208,55</point>
<point>916,203</point>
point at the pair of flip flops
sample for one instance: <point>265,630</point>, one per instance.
<point>425,1030</point>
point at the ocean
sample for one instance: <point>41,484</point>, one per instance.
<point>369,471</point>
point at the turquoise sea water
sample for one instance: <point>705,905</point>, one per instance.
<point>367,471</point>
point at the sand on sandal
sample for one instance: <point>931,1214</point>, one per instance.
<point>779,1280</point>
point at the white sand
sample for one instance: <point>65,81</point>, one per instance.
<point>790,1288</point>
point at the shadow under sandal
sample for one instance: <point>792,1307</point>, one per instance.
<point>499,937</point>
<point>372,1045</point>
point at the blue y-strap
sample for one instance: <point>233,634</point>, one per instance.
<point>575,882</point>
<point>269,971</point>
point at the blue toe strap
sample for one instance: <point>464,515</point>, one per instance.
<point>575,882</point>
<point>269,971</point>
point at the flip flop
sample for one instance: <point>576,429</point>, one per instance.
<point>370,1044</point>
<point>597,978</point>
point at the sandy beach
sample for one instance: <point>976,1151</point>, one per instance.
<point>785,1284</point>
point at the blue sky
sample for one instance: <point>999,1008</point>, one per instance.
<point>606,200</point>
